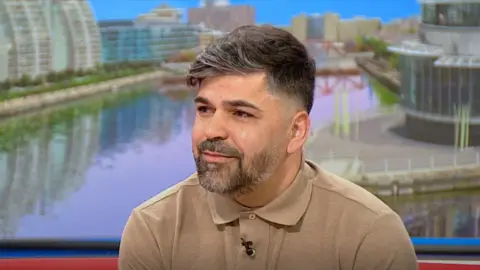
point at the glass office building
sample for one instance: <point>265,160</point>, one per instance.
<point>440,73</point>
<point>145,40</point>
<point>48,35</point>
<point>122,41</point>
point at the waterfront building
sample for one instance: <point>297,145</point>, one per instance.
<point>154,36</point>
<point>220,15</point>
<point>47,35</point>
<point>74,34</point>
<point>329,27</point>
<point>440,74</point>
<point>123,41</point>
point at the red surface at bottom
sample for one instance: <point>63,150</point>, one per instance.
<point>59,264</point>
<point>111,264</point>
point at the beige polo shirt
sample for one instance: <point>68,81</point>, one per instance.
<point>320,222</point>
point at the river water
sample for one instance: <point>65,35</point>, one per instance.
<point>78,170</point>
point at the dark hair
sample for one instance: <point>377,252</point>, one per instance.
<point>249,49</point>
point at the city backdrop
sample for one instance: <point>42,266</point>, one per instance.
<point>41,37</point>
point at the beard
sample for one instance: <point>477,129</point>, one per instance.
<point>240,175</point>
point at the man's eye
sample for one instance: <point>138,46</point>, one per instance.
<point>203,109</point>
<point>242,114</point>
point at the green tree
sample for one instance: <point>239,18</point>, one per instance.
<point>394,61</point>
<point>69,73</point>
<point>80,72</point>
<point>6,85</point>
<point>24,81</point>
<point>92,71</point>
<point>51,77</point>
<point>37,81</point>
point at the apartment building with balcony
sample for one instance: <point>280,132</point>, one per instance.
<point>440,75</point>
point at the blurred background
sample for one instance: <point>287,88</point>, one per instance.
<point>95,118</point>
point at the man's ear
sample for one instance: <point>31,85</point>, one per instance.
<point>299,131</point>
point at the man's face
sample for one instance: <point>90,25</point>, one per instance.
<point>240,133</point>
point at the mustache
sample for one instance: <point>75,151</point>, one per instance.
<point>220,147</point>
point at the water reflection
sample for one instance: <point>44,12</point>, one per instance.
<point>43,171</point>
<point>47,160</point>
<point>77,171</point>
<point>447,215</point>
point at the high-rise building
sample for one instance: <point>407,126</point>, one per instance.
<point>47,35</point>
<point>219,15</point>
<point>154,36</point>
<point>440,85</point>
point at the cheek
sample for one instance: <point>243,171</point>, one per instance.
<point>197,135</point>
<point>248,141</point>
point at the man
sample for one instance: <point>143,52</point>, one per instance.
<point>255,203</point>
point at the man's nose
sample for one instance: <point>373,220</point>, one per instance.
<point>216,127</point>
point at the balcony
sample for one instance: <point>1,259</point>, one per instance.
<point>454,40</point>
<point>413,48</point>
<point>458,61</point>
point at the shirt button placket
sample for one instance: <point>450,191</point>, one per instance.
<point>250,230</point>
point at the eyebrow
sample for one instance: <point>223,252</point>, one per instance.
<point>229,103</point>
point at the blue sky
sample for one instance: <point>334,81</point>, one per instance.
<point>277,12</point>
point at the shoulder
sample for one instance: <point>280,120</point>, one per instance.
<point>148,234</point>
<point>163,205</point>
<point>349,196</point>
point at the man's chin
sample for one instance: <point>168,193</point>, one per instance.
<point>210,186</point>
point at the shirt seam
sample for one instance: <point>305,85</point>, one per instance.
<point>377,213</point>
<point>166,196</point>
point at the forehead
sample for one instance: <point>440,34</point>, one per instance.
<point>250,87</point>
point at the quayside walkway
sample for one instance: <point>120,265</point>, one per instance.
<point>386,163</point>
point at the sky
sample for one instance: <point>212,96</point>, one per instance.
<point>276,12</point>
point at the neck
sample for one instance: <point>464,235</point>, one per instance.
<point>275,185</point>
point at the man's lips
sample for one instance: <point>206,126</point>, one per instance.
<point>215,154</point>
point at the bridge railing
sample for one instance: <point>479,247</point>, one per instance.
<point>367,164</point>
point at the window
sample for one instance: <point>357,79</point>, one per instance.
<point>429,14</point>
<point>461,14</point>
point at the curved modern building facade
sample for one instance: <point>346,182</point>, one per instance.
<point>48,35</point>
<point>25,29</point>
<point>440,74</point>
<point>83,34</point>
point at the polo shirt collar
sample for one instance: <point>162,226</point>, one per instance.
<point>286,209</point>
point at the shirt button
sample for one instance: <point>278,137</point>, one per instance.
<point>252,216</point>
